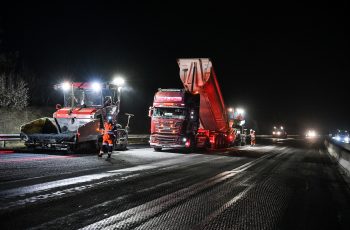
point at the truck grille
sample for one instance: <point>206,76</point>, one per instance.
<point>166,139</point>
<point>168,127</point>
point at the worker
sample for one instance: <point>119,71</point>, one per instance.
<point>252,137</point>
<point>107,138</point>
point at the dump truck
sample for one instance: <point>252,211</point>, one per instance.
<point>194,116</point>
<point>77,125</point>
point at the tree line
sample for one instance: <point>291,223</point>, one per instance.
<point>14,91</point>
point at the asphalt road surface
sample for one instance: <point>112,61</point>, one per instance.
<point>278,184</point>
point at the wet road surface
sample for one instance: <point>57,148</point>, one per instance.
<point>278,184</point>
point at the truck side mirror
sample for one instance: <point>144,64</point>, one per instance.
<point>58,106</point>
<point>101,121</point>
<point>150,111</point>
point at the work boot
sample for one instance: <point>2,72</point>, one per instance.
<point>100,154</point>
<point>109,155</point>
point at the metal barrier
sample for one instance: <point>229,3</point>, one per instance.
<point>9,137</point>
<point>339,153</point>
<point>17,137</point>
<point>132,137</point>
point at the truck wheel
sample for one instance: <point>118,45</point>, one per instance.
<point>95,147</point>
<point>157,149</point>
<point>207,144</point>
<point>192,146</point>
<point>124,147</point>
<point>73,149</point>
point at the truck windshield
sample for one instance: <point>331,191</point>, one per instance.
<point>81,98</point>
<point>169,112</point>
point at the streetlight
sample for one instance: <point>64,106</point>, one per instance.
<point>240,111</point>
<point>65,86</point>
<point>96,86</point>
<point>118,81</point>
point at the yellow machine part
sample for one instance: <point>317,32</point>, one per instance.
<point>41,125</point>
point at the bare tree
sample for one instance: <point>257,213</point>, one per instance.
<point>14,92</point>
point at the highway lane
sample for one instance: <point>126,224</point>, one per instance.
<point>344,145</point>
<point>278,184</point>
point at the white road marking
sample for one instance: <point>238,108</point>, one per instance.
<point>121,174</point>
<point>154,207</point>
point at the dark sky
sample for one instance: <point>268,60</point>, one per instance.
<point>286,64</point>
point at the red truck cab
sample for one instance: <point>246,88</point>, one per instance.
<point>174,119</point>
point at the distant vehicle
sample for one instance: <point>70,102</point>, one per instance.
<point>279,132</point>
<point>342,136</point>
<point>311,134</point>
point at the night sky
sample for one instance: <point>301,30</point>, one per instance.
<point>285,64</point>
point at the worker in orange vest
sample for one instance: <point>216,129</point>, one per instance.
<point>107,138</point>
<point>252,138</point>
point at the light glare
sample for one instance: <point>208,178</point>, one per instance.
<point>119,81</point>
<point>96,86</point>
<point>240,111</point>
<point>65,86</point>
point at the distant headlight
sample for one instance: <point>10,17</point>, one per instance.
<point>338,138</point>
<point>278,133</point>
<point>273,132</point>
<point>311,134</point>
<point>346,139</point>
<point>184,139</point>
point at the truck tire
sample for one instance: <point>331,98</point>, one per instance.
<point>157,149</point>
<point>207,144</point>
<point>96,146</point>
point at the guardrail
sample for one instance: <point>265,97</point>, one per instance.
<point>268,136</point>
<point>9,137</point>
<point>339,153</point>
<point>17,137</point>
<point>142,138</point>
<point>135,136</point>
<point>147,135</point>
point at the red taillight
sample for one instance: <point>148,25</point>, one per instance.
<point>212,139</point>
<point>231,137</point>
<point>188,143</point>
